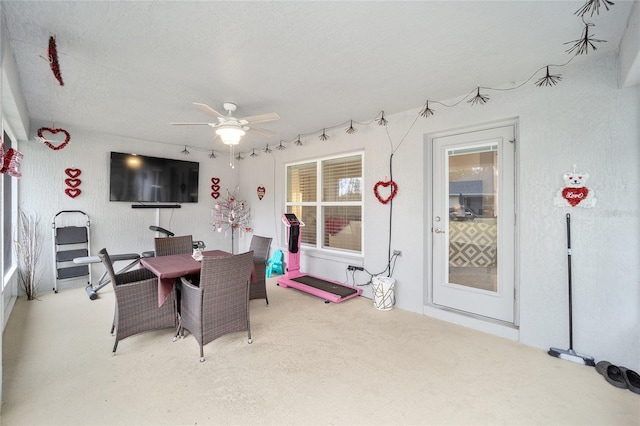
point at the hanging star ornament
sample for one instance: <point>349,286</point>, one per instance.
<point>549,79</point>
<point>593,6</point>
<point>582,44</point>
<point>323,136</point>
<point>213,154</point>
<point>253,153</point>
<point>478,99</point>
<point>351,130</point>
<point>298,142</point>
<point>426,111</point>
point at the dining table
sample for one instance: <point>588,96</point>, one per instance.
<point>170,268</point>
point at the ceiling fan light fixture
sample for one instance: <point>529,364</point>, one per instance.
<point>230,135</point>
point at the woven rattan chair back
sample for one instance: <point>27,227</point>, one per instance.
<point>136,309</point>
<point>173,245</point>
<point>260,247</point>
<point>220,304</point>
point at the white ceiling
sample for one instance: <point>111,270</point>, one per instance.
<point>131,67</point>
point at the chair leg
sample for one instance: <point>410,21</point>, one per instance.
<point>267,299</point>
<point>115,346</point>
<point>202,353</point>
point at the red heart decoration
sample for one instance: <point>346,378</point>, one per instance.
<point>73,183</point>
<point>575,195</point>
<point>73,173</point>
<point>215,195</point>
<point>72,192</point>
<point>261,192</point>
<point>394,190</point>
<point>215,188</point>
<point>215,180</point>
<point>67,138</point>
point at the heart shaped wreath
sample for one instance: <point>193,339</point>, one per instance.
<point>394,190</point>
<point>67,137</point>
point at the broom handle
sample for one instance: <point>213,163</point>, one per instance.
<point>569,271</point>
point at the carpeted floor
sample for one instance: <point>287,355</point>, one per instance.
<point>310,363</point>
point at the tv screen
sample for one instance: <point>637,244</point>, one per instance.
<point>138,178</point>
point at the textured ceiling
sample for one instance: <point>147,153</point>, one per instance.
<point>132,67</point>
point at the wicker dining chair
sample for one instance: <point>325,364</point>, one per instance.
<point>260,247</point>
<point>219,303</point>
<point>173,245</point>
<point>137,308</point>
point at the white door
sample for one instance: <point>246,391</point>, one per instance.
<point>473,222</point>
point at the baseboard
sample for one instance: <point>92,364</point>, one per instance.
<point>486,325</point>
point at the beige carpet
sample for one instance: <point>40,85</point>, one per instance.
<point>310,363</point>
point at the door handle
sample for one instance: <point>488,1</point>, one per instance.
<point>438,231</point>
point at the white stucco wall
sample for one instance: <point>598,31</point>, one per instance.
<point>584,120</point>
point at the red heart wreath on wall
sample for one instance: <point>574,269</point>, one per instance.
<point>72,173</point>
<point>215,188</point>
<point>72,192</point>
<point>394,190</point>
<point>67,137</point>
<point>73,183</point>
<point>261,191</point>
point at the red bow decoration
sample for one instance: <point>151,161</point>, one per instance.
<point>67,137</point>
<point>394,190</point>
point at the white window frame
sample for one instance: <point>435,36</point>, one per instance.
<point>319,204</point>
<point>7,275</point>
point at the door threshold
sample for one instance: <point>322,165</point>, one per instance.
<point>475,322</point>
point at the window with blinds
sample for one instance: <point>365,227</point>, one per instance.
<point>326,194</point>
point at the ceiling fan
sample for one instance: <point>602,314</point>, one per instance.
<point>230,128</point>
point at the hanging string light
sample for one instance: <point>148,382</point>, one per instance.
<point>253,153</point>
<point>478,99</point>
<point>382,121</point>
<point>185,151</point>
<point>213,154</point>
<point>581,45</point>
<point>549,79</point>
<point>426,111</point>
<point>593,6</point>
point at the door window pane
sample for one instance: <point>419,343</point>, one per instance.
<point>473,216</point>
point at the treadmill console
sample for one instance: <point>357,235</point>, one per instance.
<point>291,219</point>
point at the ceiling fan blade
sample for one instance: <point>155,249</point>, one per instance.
<point>191,124</point>
<point>262,118</point>
<point>208,109</point>
<point>263,132</point>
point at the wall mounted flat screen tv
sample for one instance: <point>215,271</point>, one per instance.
<point>139,178</point>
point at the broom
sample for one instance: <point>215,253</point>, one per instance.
<point>570,354</point>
